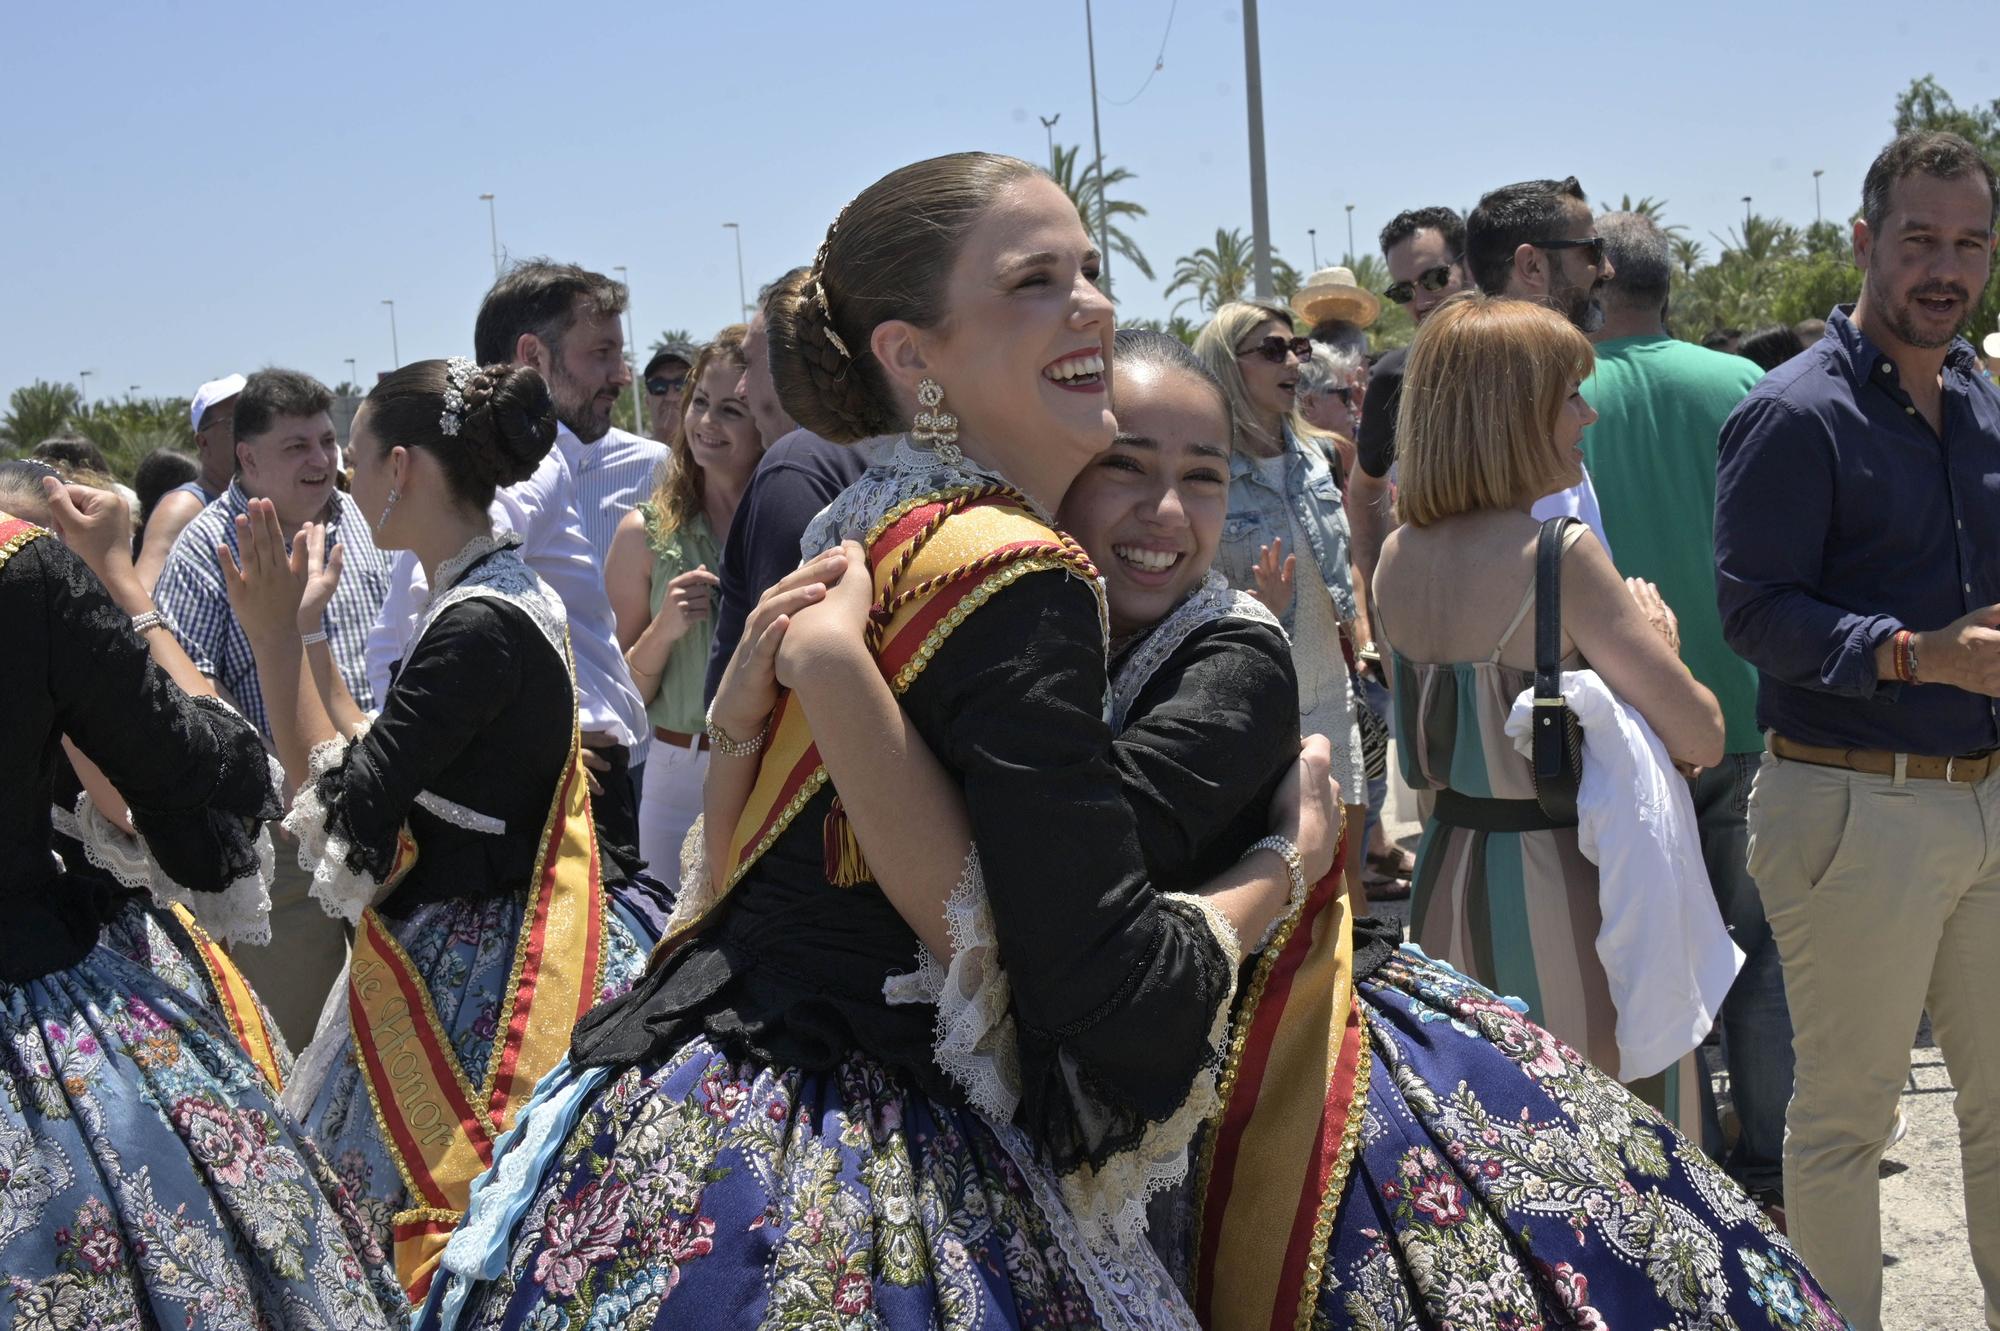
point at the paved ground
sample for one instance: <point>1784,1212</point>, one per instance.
<point>1928,1283</point>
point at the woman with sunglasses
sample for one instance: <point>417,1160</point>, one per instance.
<point>1284,500</point>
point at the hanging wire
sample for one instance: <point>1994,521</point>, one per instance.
<point>1159,61</point>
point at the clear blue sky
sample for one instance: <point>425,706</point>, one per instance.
<point>196,188</point>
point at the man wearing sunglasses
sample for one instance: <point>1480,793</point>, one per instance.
<point>1425,251</point>
<point>665,378</point>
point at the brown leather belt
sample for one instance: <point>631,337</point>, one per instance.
<point>698,743</point>
<point>1877,762</point>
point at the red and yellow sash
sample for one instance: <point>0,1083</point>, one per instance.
<point>241,1011</point>
<point>15,533</point>
<point>1276,1162</point>
<point>439,1128</point>
<point>934,561</point>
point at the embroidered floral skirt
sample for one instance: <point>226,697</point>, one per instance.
<point>464,951</point>
<point>708,1193</point>
<point>1503,1182</point>
<point>150,935</point>
<point>147,1179</point>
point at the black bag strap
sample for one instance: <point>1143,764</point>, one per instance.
<point>1550,738</point>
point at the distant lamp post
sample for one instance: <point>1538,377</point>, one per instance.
<point>632,346</point>
<point>742,294</point>
<point>1313,234</point>
<point>493,228</point>
<point>83,385</point>
<point>1049,124</point>
<point>353,377</point>
<point>395,347</point>
<point>131,390</point>
<point>1817,217</point>
<point>1350,233</point>
<point>1746,219</point>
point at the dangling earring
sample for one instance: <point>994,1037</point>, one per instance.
<point>387,509</point>
<point>934,429</point>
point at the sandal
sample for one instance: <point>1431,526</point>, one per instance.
<point>1394,862</point>
<point>1380,886</point>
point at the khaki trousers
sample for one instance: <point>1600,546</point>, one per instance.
<point>294,973</point>
<point>1884,900</point>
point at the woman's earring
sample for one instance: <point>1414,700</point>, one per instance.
<point>934,429</point>
<point>388,508</point>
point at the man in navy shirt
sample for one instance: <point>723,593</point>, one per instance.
<point>1857,540</point>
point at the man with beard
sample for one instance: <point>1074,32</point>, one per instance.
<point>1536,241</point>
<point>564,321</point>
<point>1856,505</point>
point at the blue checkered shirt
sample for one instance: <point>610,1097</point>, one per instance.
<point>191,593</point>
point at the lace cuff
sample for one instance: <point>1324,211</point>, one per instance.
<point>974,1041</point>
<point>344,881</point>
<point>697,894</point>
<point>1109,1201</point>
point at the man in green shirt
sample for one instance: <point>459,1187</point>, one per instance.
<point>1660,406</point>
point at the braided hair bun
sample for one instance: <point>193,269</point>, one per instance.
<point>509,424</point>
<point>887,256</point>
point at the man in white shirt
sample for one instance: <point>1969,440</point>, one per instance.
<point>1538,241</point>
<point>565,322</point>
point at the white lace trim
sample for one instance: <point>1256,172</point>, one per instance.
<point>240,913</point>
<point>341,892</point>
<point>1210,601</point>
<point>459,816</point>
<point>506,577</point>
<point>1110,1202</point>
<point>974,1039</point>
<point>698,892</point>
<point>907,473</point>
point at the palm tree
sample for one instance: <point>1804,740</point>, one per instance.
<point>1099,211</point>
<point>38,411</point>
<point>1215,274</point>
<point>672,337</point>
<point>1688,254</point>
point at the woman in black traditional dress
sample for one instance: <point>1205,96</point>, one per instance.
<point>146,1174</point>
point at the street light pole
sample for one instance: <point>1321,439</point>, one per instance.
<point>1817,217</point>
<point>83,385</point>
<point>1097,142</point>
<point>1260,207</point>
<point>395,348</point>
<point>742,292</point>
<point>1350,233</point>
<point>1312,234</point>
<point>493,226</point>
<point>1746,219</point>
<point>631,342</point>
<point>1049,124</point>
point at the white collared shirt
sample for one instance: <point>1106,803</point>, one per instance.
<point>543,511</point>
<point>612,476</point>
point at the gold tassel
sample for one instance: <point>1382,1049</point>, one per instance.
<point>843,863</point>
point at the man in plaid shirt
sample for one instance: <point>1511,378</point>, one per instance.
<point>286,453</point>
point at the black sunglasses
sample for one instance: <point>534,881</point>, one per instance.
<point>1593,247</point>
<point>1431,279</point>
<point>663,387</point>
<point>1273,348</point>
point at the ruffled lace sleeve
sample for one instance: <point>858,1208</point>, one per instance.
<point>350,872</point>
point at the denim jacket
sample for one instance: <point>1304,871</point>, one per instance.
<point>1311,503</point>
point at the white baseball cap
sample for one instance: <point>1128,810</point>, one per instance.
<point>212,392</point>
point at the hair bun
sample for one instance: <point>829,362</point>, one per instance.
<point>510,422</point>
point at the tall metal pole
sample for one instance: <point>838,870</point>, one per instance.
<point>353,375</point>
<point>1260,207</point>
<point>395,347</point>
<point>493,225</point>
<point>742,292</point>
<point>1097,141</point>
<point>83,385</point>
<point>1746,219</point>
<point>632,352</point>
<point>1049,124</point>
<point>1312,234</point>
<point>1817,216</point>
<point>1350,233</point>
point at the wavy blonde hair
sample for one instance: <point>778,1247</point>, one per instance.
<point>1216,345</point>
<point>1483,387</point>
<point>677,493</point>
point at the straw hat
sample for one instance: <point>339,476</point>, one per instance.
<point>1331,293</point>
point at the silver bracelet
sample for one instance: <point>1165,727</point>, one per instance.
<point>720,741</point>
<point>308,639</point>
<point>152,619</point>
<point>1295,866</point>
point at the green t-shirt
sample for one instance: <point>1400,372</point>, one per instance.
<point>677,705</point>
<point>1660,407</point>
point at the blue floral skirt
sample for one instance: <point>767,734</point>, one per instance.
<point>464,951</point>
<point>704,1192</point>
<point>147,1179</point>
<point>1503,1182</point>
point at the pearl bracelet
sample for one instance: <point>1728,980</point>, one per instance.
<point>720,741</point>
<point>1295,866</point>
<point>152,619</point>
<point>308,639</point>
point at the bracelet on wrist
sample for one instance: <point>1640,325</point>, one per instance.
<point>151,619</point>
<point>1295,868</point>
<point>720,741</point>
<point>308,639</point>
<point>1903,656</point>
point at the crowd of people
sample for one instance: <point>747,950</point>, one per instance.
<point>902,845</point>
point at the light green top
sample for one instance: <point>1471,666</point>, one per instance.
<point>677,705</point>
<point>1660,407</point>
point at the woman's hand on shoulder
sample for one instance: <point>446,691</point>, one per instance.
<point>833,626</point>
<point>749,686</point>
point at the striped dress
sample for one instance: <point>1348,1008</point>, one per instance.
<point>1516,911</point>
